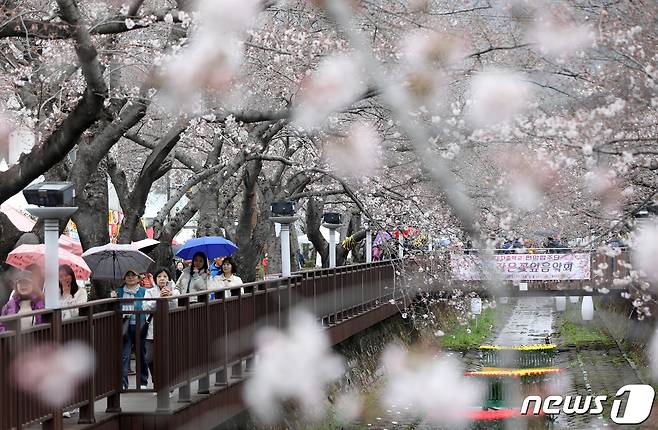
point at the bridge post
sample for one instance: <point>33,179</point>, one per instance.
<point>560,303</point>
<point>114,400</point>
<point>204,382</point>
<point>55,422</point>
<point>587,309</point>
<point>368,246</point>
<point>185,391</point>
<point>87,413</point>
<point>162,350</point>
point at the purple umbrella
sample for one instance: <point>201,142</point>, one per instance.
<point>381,237</point>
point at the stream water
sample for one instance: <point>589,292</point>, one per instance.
<point>589,371</point>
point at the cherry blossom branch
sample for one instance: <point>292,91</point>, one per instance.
<point>179,154</point>
<point>50,152</point>
<point>38,29</point>
<point>400,106</point>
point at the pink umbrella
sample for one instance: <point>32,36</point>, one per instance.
<point>71,245</point>
<point>25,255</point>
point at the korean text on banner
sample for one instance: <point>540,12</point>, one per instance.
<point>523,267</point>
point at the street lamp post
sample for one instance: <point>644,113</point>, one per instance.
<point>56,202</point>
<point>332,221</point>
<point>283,213</point>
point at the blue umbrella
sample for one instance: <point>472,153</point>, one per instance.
<point>212,246</point>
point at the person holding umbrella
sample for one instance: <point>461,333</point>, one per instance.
<point>200,249</point>
<point>194,277</point>
<point>132,289</point>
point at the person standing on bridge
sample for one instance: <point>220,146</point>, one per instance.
<point>195,277</point>
<point>25,298</point>
<point>132,289</point>
<point>164,287</point>
<point>69,293</point>
<point>216,267</point>
<point>228,278</point>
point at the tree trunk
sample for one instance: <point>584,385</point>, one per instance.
<point>254,225</point>
<point>91,217</point>
<point>210,222</point>
<point>9,235</point>
<point>314,211</point>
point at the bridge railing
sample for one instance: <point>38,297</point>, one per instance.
<point>217,335</point>
<point>198,337</point>
<point>100,330</point>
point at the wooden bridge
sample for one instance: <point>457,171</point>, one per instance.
<point>204,347</point>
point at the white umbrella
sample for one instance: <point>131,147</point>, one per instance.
<point>112,261</point>
<point>146,245</point>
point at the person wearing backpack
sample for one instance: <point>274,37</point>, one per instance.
<point>131,289</point>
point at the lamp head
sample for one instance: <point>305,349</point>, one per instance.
<point>50,194</point>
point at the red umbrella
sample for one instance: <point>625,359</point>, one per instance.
<point>26,255</point>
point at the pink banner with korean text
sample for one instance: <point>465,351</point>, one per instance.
<point>523,267</point>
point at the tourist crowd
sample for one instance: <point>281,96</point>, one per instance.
<point>220,274</point>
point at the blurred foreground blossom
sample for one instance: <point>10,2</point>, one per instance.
<point>431,387</point>
<point>296,366</point>
<point>52,372</point>
<point>425,48</point>
<point>336,84</point>
<point>348,407</point>
<point>206,64</point>
<point>357,155</point>
<point>496,96</point>
<point>645,250</point>
<point>557,34</point>
<point>229,16</point>
<point>528,178</point>
<point>603,184</point>
<point>424,54</point>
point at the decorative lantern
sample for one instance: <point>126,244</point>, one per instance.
<point>587,309</point>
